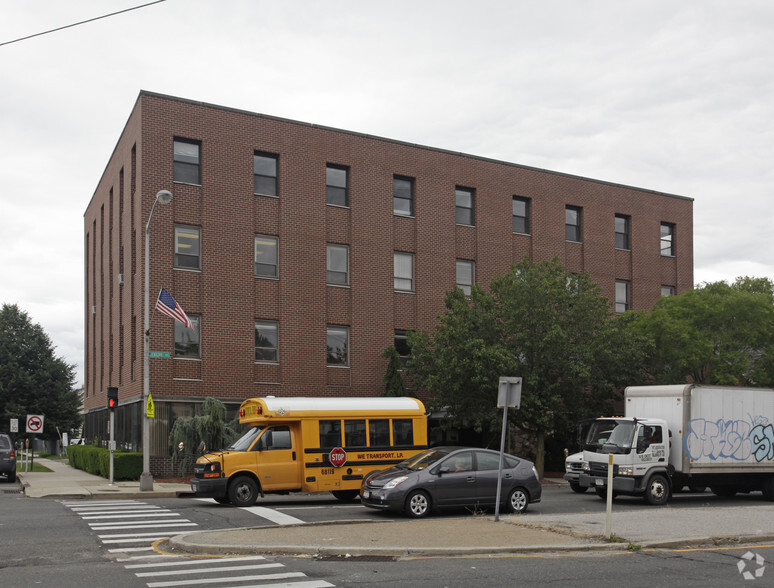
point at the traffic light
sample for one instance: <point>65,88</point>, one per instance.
<point>112,397</point>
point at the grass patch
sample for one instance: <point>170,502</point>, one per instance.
<point>36,467</point>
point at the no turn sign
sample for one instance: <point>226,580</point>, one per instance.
<point>337,457</point>
<point>34,423</point>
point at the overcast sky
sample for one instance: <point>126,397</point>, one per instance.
<point>671,96</point>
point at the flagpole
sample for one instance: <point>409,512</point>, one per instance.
<point>146,479</point>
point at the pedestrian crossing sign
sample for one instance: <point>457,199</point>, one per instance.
<point>150,409</point>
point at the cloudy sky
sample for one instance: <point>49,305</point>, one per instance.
<point>672,96</point>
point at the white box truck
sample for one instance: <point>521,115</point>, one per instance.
<point>684,435</point>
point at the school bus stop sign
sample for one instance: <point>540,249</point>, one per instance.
<point>337,457</point>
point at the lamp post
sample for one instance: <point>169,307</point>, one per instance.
<point>146,479</point>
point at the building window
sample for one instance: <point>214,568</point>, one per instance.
<point>403,264</point>
<point>667,239</point>
<point>265,174</point>
<point>187,161</point>
<point>403,196</point>
<point>266,341</point>
<point>465,275</point>
<point>465,200</point>
<point>187,247</point>
<point>266,256</point>
<point>187,341</point>
<point>337,346</point>
<point>521,215</point>
<point>337,264</point>
<point>622,231</point>
<point>572,223</point>
<point>336,185</point>
<point>667,290</point>
<point>401,345</point>
<point>621,296</point>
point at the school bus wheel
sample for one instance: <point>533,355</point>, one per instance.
<point>345,495</point>
<point>243,491</point>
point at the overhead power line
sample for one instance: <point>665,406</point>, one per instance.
<point>75,24</point>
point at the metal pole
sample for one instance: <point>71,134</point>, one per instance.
<point>500,468</point>
<point>146,479</point>
<point>112,442</point>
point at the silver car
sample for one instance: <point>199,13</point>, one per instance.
<point>452,477</point>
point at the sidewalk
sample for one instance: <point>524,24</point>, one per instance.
<point>648,527</point>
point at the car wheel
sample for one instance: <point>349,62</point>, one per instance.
<point>345,495</point>
<point>11,477</point>
<point>222,500</point>
<point>657,491</point>
<point>578,488</point>
<point>518,500</point>
<point>243,491</point>
<point>417,504</point>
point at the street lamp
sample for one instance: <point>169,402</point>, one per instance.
<point>146,479</point>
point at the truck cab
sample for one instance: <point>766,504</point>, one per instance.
<point>640,457</point>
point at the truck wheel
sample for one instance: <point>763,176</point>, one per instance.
<point>243,491</point>
<point>575,487</point>
<point>417,504</point>
<point>657,491</point>
<point>602,493</point>
<point>345,495</point>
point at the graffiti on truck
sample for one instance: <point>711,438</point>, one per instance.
<point>737,439</point>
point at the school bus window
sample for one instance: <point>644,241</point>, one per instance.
<point>402,432</point>
<point>276,438</point>
<point>330,434</point>
<point>379,432</point>
<point>355,433</point>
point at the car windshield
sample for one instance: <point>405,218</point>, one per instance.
<point>246,440</point>
<point>422,460</point>
<point>607,440</point>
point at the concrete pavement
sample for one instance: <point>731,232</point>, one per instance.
<point>668,526</point>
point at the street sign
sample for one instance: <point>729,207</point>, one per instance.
<point>14,425</point>
<point>164,354</point>
<point>34,423</point>
<point>509,392</point>
<point>337,457</point>
<point>150,408</point>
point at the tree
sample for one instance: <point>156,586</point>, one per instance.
<point>209,428</point>
<point>32,379</point>
<point>393,380</point>
<point>538,321</point>
<point>718,333</point>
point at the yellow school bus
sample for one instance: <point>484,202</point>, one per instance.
<point>311,445</point>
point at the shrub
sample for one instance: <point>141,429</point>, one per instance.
<point>96,460</point>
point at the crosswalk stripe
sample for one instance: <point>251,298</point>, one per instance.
<point>217,570</point>
<point>190,582</point>
<point>190,562</point>
<point>275,517</point>
<point>307,584</point>
<point>113,526</point>
<point>161,513</point>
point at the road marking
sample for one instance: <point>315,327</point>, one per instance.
<point>134,515</point>
<point>274,516</point>
<point>190,562</point>
<point>217,570</point>
<point>190,582</point>
<point>150,525</point>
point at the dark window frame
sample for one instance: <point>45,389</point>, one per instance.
<point>186,171</point>
<point>336,277</point>
<point>185,260</point>
<point>622,306</point>
<point>399,196</point>
<point>667,239</point>
<point>269,352</point>
<point>465,215</point>
<point>623,223</point>
<point>336,194</point>
<point>522,221</point>
<point>266,179</point>
<point>191,349</point>
<point>338,356</point>
<point>573,231</point>
<point>265,263</point>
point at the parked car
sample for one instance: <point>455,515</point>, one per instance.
<point>573,466</point>
<point>452,477</point>
<point>7,457</point>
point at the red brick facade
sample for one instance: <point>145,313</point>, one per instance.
<point>228,297</point>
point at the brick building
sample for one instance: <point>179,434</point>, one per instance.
<point>301,252</point>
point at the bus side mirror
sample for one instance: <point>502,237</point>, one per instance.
<point>202,449</point>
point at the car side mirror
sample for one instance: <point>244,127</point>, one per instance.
<point>442,470</point>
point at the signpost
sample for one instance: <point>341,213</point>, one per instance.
<point>337,457</point>
<point>508,396</point>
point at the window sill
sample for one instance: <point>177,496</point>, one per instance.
<point>403,215</point>
<point>344,206</point>
<point>340,367</point>
<point>624,249</point>
<point>266,362</point>
<point>178,182</point>
<point>524,234</point>
<point>266,195</point>
<point>465,225</point>
<point>188,269</point>
<point>275,278</point>
<point>183,358</point>
<point>404,291</point>
<point>344,286</point>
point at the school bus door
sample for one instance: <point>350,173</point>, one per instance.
<point>277,463</point>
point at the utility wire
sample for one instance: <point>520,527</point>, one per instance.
<point>80,23</point>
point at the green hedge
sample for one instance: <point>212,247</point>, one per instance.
<point>96,460</point>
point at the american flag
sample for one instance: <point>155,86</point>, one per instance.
<point>170,307</point>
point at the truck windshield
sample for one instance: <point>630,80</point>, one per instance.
<point>244,442</point>
<point>616,435</point>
